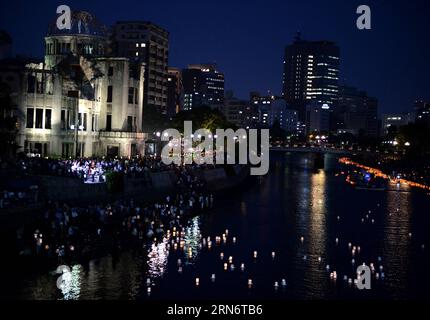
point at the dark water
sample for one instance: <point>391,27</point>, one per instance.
<point>292,202</point>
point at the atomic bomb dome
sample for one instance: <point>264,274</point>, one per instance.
<point>87,37</point>
<point>82,23</point>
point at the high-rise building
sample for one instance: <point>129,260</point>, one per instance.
<point>174,91</point>
<point>143,41</point>
<point>262,103</point>
<point>311,73</point>
<point>356,112</point>
<point>203,85</point>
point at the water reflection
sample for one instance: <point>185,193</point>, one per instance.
<point>292,202</point>
<point>315,277</point>
<point>71,286</point>
<point>158,257</point>
<point>192,241</point>
<point>397,239</point>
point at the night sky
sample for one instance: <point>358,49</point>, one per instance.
<point>247,38</point>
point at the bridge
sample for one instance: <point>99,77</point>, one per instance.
<point>332,150</point>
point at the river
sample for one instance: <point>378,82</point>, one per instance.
<point>302,223</point>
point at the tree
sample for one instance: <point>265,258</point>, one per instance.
<point>417,135</point>
<point>8,123</point>
<point>202,117</point>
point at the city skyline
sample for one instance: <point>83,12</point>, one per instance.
<point>250,66</point>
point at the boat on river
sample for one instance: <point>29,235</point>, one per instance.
<point>366,181</point>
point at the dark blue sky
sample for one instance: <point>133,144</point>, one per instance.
<point>247,38</point>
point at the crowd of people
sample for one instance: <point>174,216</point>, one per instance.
<point>65,232</point>
<point>91,169</point>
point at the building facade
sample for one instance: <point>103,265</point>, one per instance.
<point>142,41</point>
<point>287,118</point>
<point>356,112</point>
<point>203,85</point>
<point>80,101</point>
<point>317,118</point>
<point>175,90</point>
<point>394,121</point>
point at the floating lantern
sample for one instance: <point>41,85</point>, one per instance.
<point>221,255</point>
<point>276,285</point>
<point>255,254</point>
<point>149,290</point>
<point>225,266</point>
<point>234,239</point>
<point>273,254</point>
<point>242,267</point>
<point>284,282</point>
<point>302,239</point>
<point>197,282</point>
<point>213,277</point>
<point>230,259</point>
<point>249,283</point>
